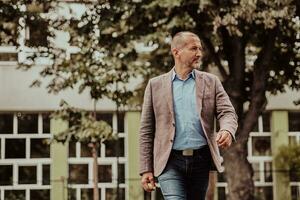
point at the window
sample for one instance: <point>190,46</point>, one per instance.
<point>46,174</point>
<point>14,194</point>
<point>26,156</point>
<point>78,174</point>
<point>36,36</point>
<point>4,56</point>
<point>264,193</point>
<point>6,123</point>
<point>27,123</point>
<point>268,172</point>
<point>112,193</point>
<point>46,122</point>
<point>295,190</point>
<point>87,194</point>
<point>39,148</point>
<point>104,173</point>
<point>107,117</point>
<point>261,146</point>
<point>121,122</point>
<point>27,175</point>
<point>15,148</point>
<point>221,193</point>
<point>6,174</point>
<point>40,194</point>
<point>115,148</point>
<point>121,173</point>
<point>294,122</point>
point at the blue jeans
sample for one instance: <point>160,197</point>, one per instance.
<point>186,177</point>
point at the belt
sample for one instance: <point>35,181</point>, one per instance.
<point>191,152</point>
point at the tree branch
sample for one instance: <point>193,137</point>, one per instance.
<point>259,85</point>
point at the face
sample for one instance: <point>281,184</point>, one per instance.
<point>190,54</point>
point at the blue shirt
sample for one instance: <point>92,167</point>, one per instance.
<point>188,129</point>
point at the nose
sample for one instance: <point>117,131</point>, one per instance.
<point>199,53</point>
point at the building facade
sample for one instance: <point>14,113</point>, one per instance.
<point>31,168</point>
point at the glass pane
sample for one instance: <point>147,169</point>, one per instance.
<point>85,151</point>
<point>294,122</point>
<point>78,174</point>
<point>261,146</point>
<point>295,192</point>
<point>8,57</point>
<point>221,177</point>
<point>266,117</point>
<point>27,175</point>
<point>46,174</point>
<point>27,123</point>
<point>87,194</point>
<point>255,129</point>
<point>112,150</point>
<point>221,193</point>
<point>14,195</point>
<point>37,36</point>
<point>256,176</point>
<point>71,194</point>
<point>46,122</point>
<point>121,173</point>
<point>268,172</point>
<point>107,117</point>
<point>121,122</point>
<point>6,176</point>
<point>6,123</point>
<point>39,148</point>
<point>294,174</point>
<point>111,193</point>
<point>292,140</point>
<point>15,148</point>
<point>40,194</point>
<point>104,173</point>
<point>264,193</point>
<point>72,149</point>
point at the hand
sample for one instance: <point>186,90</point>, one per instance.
<point>148,181</point>
<point>224,139</point>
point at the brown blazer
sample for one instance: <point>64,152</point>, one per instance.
<point>157,128</point>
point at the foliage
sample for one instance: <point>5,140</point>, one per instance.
<point>288,158</point>
<point>253,45</point>
<point>83,127</point>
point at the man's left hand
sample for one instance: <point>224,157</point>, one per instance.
<point>224,139</point>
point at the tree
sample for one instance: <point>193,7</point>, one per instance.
<point>98,64</point>
<point>252,45</point>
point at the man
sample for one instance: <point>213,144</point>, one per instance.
<point>177,140</point>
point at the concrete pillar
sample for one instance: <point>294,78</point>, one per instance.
<point>59,165</point>
<point>134,187</point>
<point>279,137</point>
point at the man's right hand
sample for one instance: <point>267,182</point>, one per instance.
<point>148,182</point>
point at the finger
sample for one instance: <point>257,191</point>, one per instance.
<point>222,138</point>
<point>226,143</point>
<point>218,137</point>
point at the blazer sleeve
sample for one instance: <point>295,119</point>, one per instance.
<point>146,133</point>
<point>225,112</point>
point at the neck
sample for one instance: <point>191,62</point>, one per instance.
<point>182,72</point>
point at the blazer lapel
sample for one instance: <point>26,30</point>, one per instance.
<point>169,91</point>
<point>199,90</point>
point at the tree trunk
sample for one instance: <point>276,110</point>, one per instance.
<point>211,185</point>
<point>95,170</point>
<point>239,173</point>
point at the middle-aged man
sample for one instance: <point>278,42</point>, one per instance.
<point>177,140</point>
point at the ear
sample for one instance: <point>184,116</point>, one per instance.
<point>175,52</point>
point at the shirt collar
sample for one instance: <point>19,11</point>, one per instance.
<point>174,75</point>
